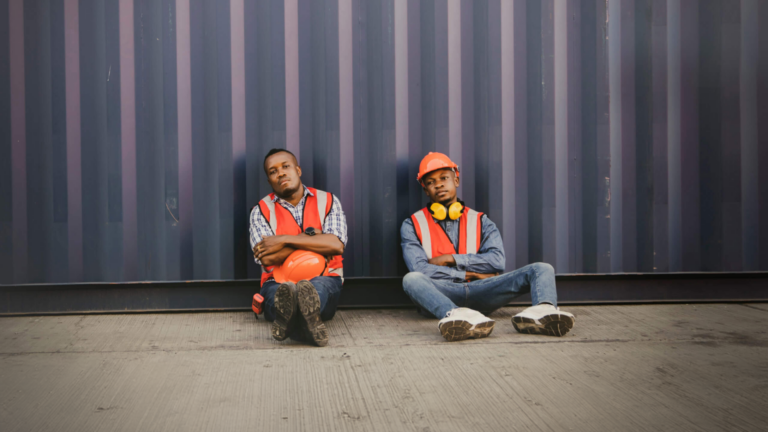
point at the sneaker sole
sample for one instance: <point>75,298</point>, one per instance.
<point>284,309</point>
<point>551,325</point>
<point>454,331</point>
<point>309,306</point>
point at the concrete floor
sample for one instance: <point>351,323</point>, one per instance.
<point>662,367</point>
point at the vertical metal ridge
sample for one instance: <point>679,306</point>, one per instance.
<point>440,95</point>
<point>575,182</point>
<point>547,174</point>
<point>479,192</point>
<point>710,128</point>
<point>762,134</point>
<point>6,151</point>
<point>468,106</point>
<point>674,80</point>
<point>730,140</point>
<point>660,151</point>
<point>402,119</point>
<point>39,149</point>
<point>534,79</point>
<point>59,264</point>
<point>628,136</point>
<point>508,130</point>
<point>240,216</point>
<point>454,81</point>
<point>616,179</point>
<point>346,121</point>
<point>644,133</point>
<point>152,208</point>
<point>184,115</point>
<point>588,57</point>
<point>689,136</point>
<point>291,18</point>
<point>113,233</point>
<point>74,182</point>
<point>128,139</point>
<point>18,140</point>
<point>561,89</point>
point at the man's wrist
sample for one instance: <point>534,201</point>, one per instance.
<point>291,241</point>
<point>460,275</point>
<point>460,261</point>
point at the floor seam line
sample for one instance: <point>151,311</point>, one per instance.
<point>725,340</point>
<point>752,307</point>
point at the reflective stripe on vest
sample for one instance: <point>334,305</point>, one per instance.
<point>435,241</point>
<point>422,230</point>
<point>473,243</point>
<point>322,201</point>
<point>272,219</point>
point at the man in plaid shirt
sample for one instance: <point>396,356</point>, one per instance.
<point>297,310</point>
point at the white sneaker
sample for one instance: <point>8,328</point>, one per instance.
<point>544,319</point>
<point>465,323</point>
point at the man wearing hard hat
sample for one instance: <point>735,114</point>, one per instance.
<point>456,260</point>
<point>298,235</point>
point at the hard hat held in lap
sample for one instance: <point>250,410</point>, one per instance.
<point>301,265</point>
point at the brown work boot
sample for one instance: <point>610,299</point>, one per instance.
<point>309,305</point>
<point>286,304</point>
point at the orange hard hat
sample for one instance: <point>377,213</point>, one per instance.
<point>300,265</point>
<point>435,161</point>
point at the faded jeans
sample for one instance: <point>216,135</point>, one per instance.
<point>437,297</point>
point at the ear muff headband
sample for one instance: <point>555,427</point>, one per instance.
<point>440,212</point>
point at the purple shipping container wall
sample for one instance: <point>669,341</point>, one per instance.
<point>600,136</point>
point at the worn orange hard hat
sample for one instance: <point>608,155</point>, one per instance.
<point>300,265</point>
<point>435,161</point>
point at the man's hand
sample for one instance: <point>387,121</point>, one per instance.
<point>277,258</point>
<point>269,246</point>
<point>446,260</point>
<point>472,276</point>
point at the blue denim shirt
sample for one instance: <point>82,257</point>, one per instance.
<point>489,258</point>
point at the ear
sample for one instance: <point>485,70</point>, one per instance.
<point>456,180</point>
<point>298,169</point>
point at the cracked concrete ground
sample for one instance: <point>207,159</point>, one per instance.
<point>649,367</point>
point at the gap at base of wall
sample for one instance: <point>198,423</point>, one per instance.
<point>369,292</point>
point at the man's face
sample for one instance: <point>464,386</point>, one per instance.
<point>283,173</point>
<point>440,185</point>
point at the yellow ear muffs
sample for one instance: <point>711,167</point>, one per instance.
<point>455,210</point>
<point>438,211</point>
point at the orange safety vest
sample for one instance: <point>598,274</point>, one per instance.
<point>435,241</point>
<point>282,223</point>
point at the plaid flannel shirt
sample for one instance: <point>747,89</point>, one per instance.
<point>335,222</point>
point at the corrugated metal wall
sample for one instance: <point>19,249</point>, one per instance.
<point>600,136</point>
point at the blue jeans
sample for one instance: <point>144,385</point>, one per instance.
<point>328,288</point>
<point>437,297</point>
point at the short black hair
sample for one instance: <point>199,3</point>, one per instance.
<point>275,151</point>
